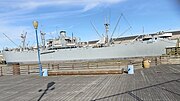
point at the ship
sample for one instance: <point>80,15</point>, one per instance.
<point>65,48</point>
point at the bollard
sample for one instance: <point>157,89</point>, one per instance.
<point>146,63</point>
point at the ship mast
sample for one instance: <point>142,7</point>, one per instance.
<point>43,39</point>
<point>107,31</point>
<point>23,40</point>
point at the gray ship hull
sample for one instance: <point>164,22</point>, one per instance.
<point>124,50</point>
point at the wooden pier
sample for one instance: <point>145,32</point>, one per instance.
<point>158,83</point>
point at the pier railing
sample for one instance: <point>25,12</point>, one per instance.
<point>113,64</point>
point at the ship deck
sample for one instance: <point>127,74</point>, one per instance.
<point>159,83</point>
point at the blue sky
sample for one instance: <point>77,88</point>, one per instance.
<point>75,16</point>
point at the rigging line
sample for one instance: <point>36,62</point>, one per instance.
<point>10,40</point>
<point>118,30</point>
<point>122,33</point>
<point>95,29</point>
<point>126,21</point>
<point>116,25</point>
<point>125,31</point>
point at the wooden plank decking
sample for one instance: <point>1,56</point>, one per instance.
<point>160,83</point>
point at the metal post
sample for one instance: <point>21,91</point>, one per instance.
<point>28,70</point>
<point>1,72</point>
<point>39,61</point>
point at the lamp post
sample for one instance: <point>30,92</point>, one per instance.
<point>35,24</point>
